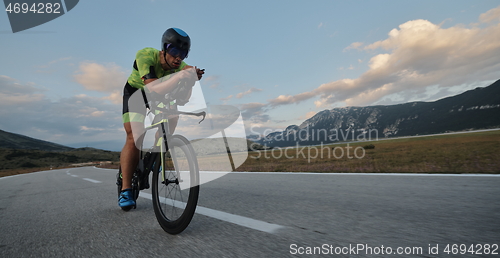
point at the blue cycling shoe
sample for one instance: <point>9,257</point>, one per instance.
<point>126,199</point>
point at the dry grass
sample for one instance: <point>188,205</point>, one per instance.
<point>461,153</point>
<point>114,165</point>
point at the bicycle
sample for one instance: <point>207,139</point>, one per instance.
<point>175,180</point>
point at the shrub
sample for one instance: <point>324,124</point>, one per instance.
<point>369,147</point>
<point>28,164</point>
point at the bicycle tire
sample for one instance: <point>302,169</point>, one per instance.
<point>174,203</point>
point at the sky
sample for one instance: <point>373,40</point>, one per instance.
<point>280,62</point>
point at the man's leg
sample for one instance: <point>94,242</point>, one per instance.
<point>172,123</point>
<point>130,153</point>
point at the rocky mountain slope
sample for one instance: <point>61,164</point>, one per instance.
<point>473,109</point>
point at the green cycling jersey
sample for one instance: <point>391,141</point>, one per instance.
<point>147,63</point>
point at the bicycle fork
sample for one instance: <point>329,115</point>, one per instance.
<point>177,178</point>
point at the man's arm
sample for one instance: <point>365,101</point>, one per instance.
<point>163,87</point>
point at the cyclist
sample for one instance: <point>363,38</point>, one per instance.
<point>149,65</point>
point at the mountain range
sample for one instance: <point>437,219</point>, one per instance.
<point>17,141</point>
<point>474,109</point>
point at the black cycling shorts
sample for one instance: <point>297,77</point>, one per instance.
<point>134,105</point>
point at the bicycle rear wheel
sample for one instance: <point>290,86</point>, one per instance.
<point>175,185</point>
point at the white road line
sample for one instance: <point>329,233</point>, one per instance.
<point>232,218</point>
<point>353,174</point>
<point>86,179</point>
<point>92,180</point>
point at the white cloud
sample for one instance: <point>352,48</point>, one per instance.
<point>290,99</point>
<point>308,115</point>
<point>24,109</point>
<point>254,114</point>
<point>54,65</point>
<point>416,55</point>
<point>355,45</point>
<point>213,81</point>
<point>379,61</point>
<point>490,16</point>
<point>116,97</point>
<point>109,78</point>
<point>240,95</point>
<point>103,78</point>
<point>251,90</point>
<point>13,93</point>
<point>85,128</point>
<point>54,62</point>
<point>226,98</point>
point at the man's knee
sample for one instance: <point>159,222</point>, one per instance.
<point>130,139</point>
<point>134,131</point>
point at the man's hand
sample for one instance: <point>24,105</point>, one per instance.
<point>199,72</point>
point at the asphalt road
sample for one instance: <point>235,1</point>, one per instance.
<point>74,213</point>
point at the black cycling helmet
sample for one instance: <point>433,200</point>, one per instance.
<point>177,38</point>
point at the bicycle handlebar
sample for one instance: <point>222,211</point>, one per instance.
<point>178,94</point>
<point>169,111</point>
<point>177,112</point>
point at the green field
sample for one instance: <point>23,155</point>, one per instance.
<point>477,152</point>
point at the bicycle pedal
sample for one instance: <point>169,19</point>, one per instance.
<point>144,186</point>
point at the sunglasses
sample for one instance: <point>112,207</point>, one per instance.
<point>176,52</point>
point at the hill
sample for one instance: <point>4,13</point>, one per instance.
<point>23,152</point>
<point>17,141</point>
<point>23,158</point>
<point>473,109</point>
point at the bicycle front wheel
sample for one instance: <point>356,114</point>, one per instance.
<point>175,185</point>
